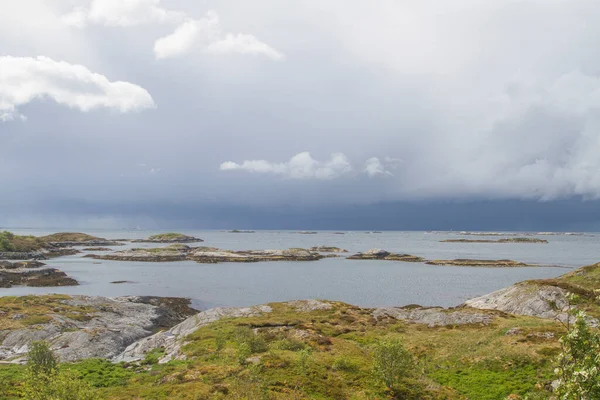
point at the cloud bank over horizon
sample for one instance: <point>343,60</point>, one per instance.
<point>305,104</point>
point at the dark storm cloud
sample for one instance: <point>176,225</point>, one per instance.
<point>422,101</point>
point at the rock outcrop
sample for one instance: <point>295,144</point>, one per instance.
<point>526,298</point>
<point>173,339</point>
<point>95,326</point>
<point>434,316</point>
<point>379,254</point>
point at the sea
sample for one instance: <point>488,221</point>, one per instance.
<point>359,282</point>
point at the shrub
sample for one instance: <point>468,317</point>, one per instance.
<point>255,342</point>
<point>289,344</point>
<point>345,364</point>
<point>578,364</point>
<point>394,366</point>
<point>40,358</point>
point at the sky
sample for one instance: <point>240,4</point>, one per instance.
<point>344,114</point>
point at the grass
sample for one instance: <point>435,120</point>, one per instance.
<point>328,354</point>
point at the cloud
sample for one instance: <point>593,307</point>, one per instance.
<point>206,34</point>
<point>374,167</point>
<point>120,13</point>
<point>25,79</point>
<point>301,166</point>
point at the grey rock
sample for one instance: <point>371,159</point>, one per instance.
<point>434,316</point>
<point>115,324</point>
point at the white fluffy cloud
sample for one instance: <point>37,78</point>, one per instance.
<point>25,79</point>
<point>121,13</point>
<point>301,166</point>
<point>206,34</point>
<point>374,167</point>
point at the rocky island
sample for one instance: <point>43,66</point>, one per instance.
<point>509,240</point>
<point>379,254</point>
<point>479,263</point>
<point>32,273</point>
<point>208,255</point>
<point>327,249</point>
<point>171,237</point>
<point>71,239</point>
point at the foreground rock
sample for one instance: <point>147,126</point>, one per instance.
<point>525,298</point>
<point>33,274</point>
<point>172,340</point>
<point>378,254</point>
<point>480,263</point>
<point>327,249</point>
<point>79,327</point>
<point>509,240</point>
<point>171,237</point>
<point>435,316</point>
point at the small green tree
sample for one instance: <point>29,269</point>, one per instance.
<point>394,366</point>
<point>45,381</point>
<point>40,359</point>
<point>578,364</point>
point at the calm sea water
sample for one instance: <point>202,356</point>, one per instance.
<point>364,283</point>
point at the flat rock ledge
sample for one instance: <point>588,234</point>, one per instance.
<point>209,255</point>
<point>480,263</point>
<point>106,328</point>
<point>379,254</point>
<point>434,316</point>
